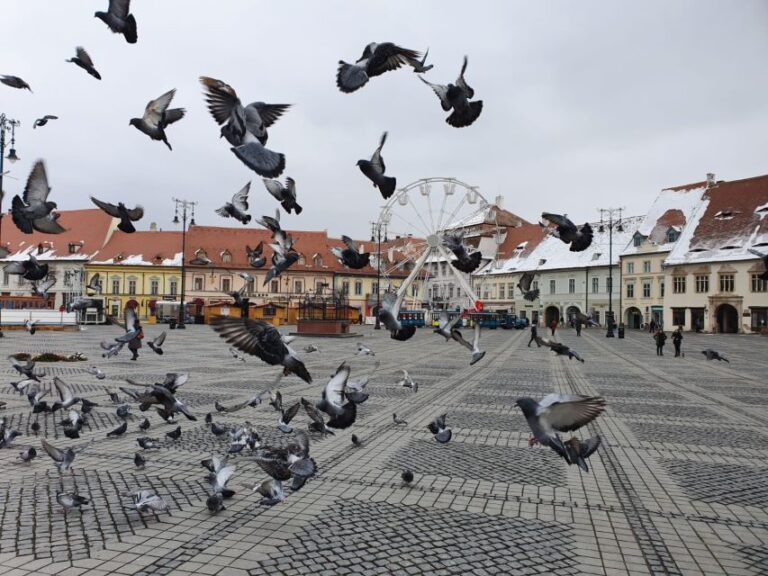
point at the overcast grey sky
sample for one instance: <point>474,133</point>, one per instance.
<point>587,103</point>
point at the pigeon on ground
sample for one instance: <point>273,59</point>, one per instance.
<point>236,354</point>
<point>260,339</point>
<point>28,454</point>
<point>114,398</point>
<point>245,128</point>
<point>83,60</point>
<point>440,430</point>
<point>465,262</point>
<point>147,443</point>
<point>311,348</point>
<point>764,257</point>
<point>41,288</point>
<point>157,343</point>
<point>218,480</point>
<point>375,61</point>
<point>350,256</point>
<point>162,394</point>
<point>407,476</point>
<point>375,168</point>
<point>27,369</point>
<point>14,82</point>
<point>526,280</point>
<point>94,371</point>
<point>174,434</point>
<point>157,117</point>
<point>119,431</point>
<point>35,426</point>
<point>317,423</point>
<point>578,237</point>
<point>363,350</point>
<point>356,442</point>
<point>286,195</point>
<point>559,413</point>
<point>30,269</point>
<point>237,208</point>
<point>272,492</point>
<point>120,20</point>
<point>7,435</point>
<point>290,461</point>
<point>33,211</point>
<point>126,216</point>
<point>334,401</point>
<point>577,451</point>
<point>66,397</point>
<point>71,501</point>
<point>457,97</point>
<point>63,459</point>
<point>139,461</point>
<point>123,411</point>
<point>714,355</point>
<point>147,501</point>
<point>559,349</point>
<point>399,421</point>
<point>256,256</point>
<point>406,381</point>
<point>43,121</point>
<point>30,326</point>
<point>388,315</point>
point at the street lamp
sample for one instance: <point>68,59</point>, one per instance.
<point>610,218</point>
<point>183,205</point>
<point>5,124</point>
<point>376,236</point>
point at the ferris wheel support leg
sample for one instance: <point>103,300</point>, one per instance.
<point>403,290</point>
<point>459,276</point>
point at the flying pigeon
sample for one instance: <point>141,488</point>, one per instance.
<point>286,416</point>
<point>44,120</point>
<point>139,461</point>
<point>568,232</point>
<point>286,195</point>
<point>83,60</point>
<point>63,459</point>
<point>399,421</point>
<point>81,303</point>
<point>245,128</point>
<point>474,347</point>
<point>41,288</point>
<point>157,117</point>
<point>584,319</point>
<point>764,257</point>
<point>351,256</point>
<point>201,259</point>
<point>34,211</point>
<point>119,431</point>
<point>35,398</point>
<point>446,327</point>
<point>71,501</point>
<point>147,501</point>
<point>27,369</point>
<point>30,326</point>
<point>237,208</point>
<point>526,280</point>
<point>219,479</point>
<point>28,269</point>
<point>465,261</point>
<point>317,423</point>
<point>256,256</point>
<point>440,430</point>
<point>714,355</point>
<point>420,67</point>
<point>457,97</point>
<point>272,492</point>
<point>14,82</point>
<point>334,402</point>
<point>120,20</point>
<point>260,339</point>
<point>375,61</point>
<point>162,394</point>
<point>363,350</point>
<point>290,461</point>
<point>7,435</point>
<point>388,315</point>
<point>559,349</point>
<point>374,170</point>
<point>66,398</point>
<point>283,256</point>
<point>94,285</point>
<point>94,371</point>
<point>271,224</point>
<point>559,413</point>
<point>126,216</point>
<point>28,454</point>
<point>577,451</point>
<point>157,343</point>
<point>406,381</point>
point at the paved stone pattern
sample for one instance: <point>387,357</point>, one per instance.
<point>680,485</point>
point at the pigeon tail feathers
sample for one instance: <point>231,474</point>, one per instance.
<point>466,116</point>
<point>261,160</point>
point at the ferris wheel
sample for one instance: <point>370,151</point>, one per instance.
<point>427,210</point>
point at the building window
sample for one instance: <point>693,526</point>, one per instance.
<point>298,286</point>
<point>132,287</point>
<point>226,257</point>
<point>270,310</point>
<point>115,309</point>
<point>274,286</point>
<point>571,286</point>
<point>251,285</point>
<point>501,292</point>
<point>661,289</point>
<point>374,288</point>
<point>672,235</point>
<point>414,289</point>
<point>630,290</point>
<point>358,288</point>
<point>702,283</point>
<point>646,266</point>
<point>318,260</point>
<point>726,282</point>
<point>115,286</point>
<point>345,287</point>
<point>174,287</point>
<point>630,267</point>
<point>458,292</point>
<point>678,285</point>
<point>198,283</point>
<point>154,287</point>
<point>678,316</point>
<point>552,287</point>
<point>442,268</point>
<point>595,285</point>
<point>638,240</point>
<point>6,277</point>
<point>759,285</point>
<point>226,284</point>
<point>596,316</point>
<point>646,289</point>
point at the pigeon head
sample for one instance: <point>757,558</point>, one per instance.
<point>528,406</point>
<point>135,122</point>
<point>362,162</point>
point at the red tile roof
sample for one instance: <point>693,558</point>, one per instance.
<point>531,234</point>
<point>153,247</point>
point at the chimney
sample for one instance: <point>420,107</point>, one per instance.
<point>711,180</point>
<point>499,201</point>
<point>153,227</point>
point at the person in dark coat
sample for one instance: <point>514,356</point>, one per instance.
<point>534,335</point>
<point>135,344</point>
<point>660,339</point>
<point>677,340</point>
<point>553,327</point>
<point>578,327</point>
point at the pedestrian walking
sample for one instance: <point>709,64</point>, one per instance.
<point>534,335</point>
<point>553,327</point>
<point>660,339</point>
<point>135,344</point>
<point>578,327</point>
<point>677,340</point>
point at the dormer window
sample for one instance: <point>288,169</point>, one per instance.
<point>201,253</point>
<point>302,261</point>
<point>596,256</point>
<point>74,247</point>
<point>226,257</point>
<point>637,240</point>
<point>158,259</point>
<point>318,260</point>
<point>672,235</point>
<point>725,215</point>
<point>730,247</point>
<point>542,261</point>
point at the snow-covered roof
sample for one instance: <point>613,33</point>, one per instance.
<point>729,221</point>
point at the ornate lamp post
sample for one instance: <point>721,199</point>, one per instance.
<point>5,124</point>
<point>610,218</point>
<point>376,237</point>
<point>184,205</point>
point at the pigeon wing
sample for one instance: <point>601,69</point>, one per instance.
<point>349,243</point>
<point>388,56</point>
<point>270,112</point>
<point>153,113</point>
<point>160,339</point>
<point>252,336</point>
<point>442,93</point>
<point>222,99</point>
<point>334,390</point>
<point>84,57</point>
<point>240,199</point>
<point>135,214</point>
<point>274,187</point>
<point>52,451</point>
<point>462,83</point>
<point>376,159</point>
<point>37,189</point>
<point>120,8</point>
<point>525,282</point>
<point>570,412</point>
<point>110,209</point>
<point>588,448</point>
<point>48,224</point>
